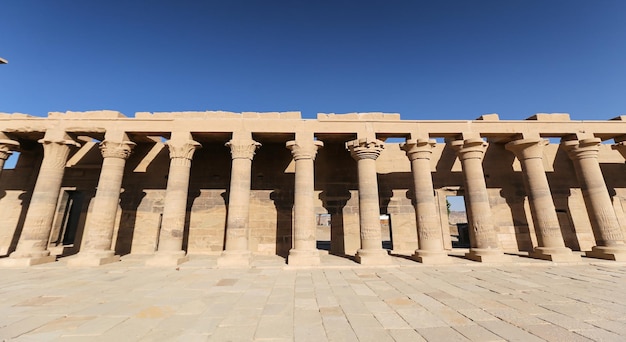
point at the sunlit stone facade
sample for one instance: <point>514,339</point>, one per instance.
<point>89,187</point>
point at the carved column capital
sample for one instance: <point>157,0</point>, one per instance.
<point>527,148</point>
<point>243,149</point>
<point>365,148</point>
<point>113,149</point>
<point>581,149</point>
<point>473,148</point>
<point>304,150</point>
<point>418,148</point>
<point>7,147</point>
<point>182,149</point>
<point>56,151</point>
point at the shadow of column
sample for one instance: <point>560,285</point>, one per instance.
<point>334,199</point>
<point>283,200</point>
<point>191,197</point>
<point>129,202</point>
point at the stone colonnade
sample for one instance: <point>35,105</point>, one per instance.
<point>96,247</point>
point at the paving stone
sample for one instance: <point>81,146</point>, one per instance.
<point>441,334</point>
<point>124,301</point>
<point>477,333</point>
<point>405,335</point>
<point>509,332</point>
<point>554,333</point>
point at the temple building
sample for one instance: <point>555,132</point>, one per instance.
<point>90,187</point>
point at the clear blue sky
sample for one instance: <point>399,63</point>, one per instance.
<point>423,59</point>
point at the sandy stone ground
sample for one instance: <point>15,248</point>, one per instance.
<point>528,300</point>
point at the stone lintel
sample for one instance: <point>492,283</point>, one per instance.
<point>272,115</point>
<point>89,115</point>
<point>550,117</point>
<point>373,116</point>
<point>10,116</point>
<point>219,115</point>
<point>489,117</point>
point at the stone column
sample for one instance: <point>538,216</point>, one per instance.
<point>609,237</point>
<point>236,252</point>
<point>304,251</point>
<point>170,248</point>
<point>95,249</point>
<point>483,237</point>
<point>551,245</point>
<point>365,151</point>
<point>7,147</point>
<point>428,225</point>
<point>32,247</point>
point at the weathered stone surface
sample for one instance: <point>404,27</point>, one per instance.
<point>533,198</point>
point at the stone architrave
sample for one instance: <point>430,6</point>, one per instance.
<point>32,246</point>
<point>96,246</point>
<point>483,237</point>
<point>304,251</point>
<point>365,151</point>
<point>429,233</point>
<point>609,237</point>
<point>236,251</point>
<point>7,147</point>
<point>170,248</point>
<point>551,245</point>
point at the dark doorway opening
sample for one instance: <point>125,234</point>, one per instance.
<point>457,222</point>
<point>70,208</point>
<point>386,231</point>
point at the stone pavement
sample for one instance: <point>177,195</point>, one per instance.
<point>528,300</point>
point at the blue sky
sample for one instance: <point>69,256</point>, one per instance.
<point>423,59</point>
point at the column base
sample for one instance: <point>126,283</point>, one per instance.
<point>167,259</point>
<point>372,257</point>
<point>487,255</point>
<point>93,259</point>
<point>303,257</point>
<point>562,254</point>
<point>431,257</point>
<point>234,259</point>
<point>615,253</point>
<point>26,260</point>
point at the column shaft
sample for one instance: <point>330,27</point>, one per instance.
<point>170,246</point>
<point>551,245</point>
<point>98,239</point>
<point>365,152</point>
<point>428,226</point>
<point>33,242</point>
<point>304,250</point>
<point>609,237</point>
<point>483,238</point>
<point>236,251</point>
